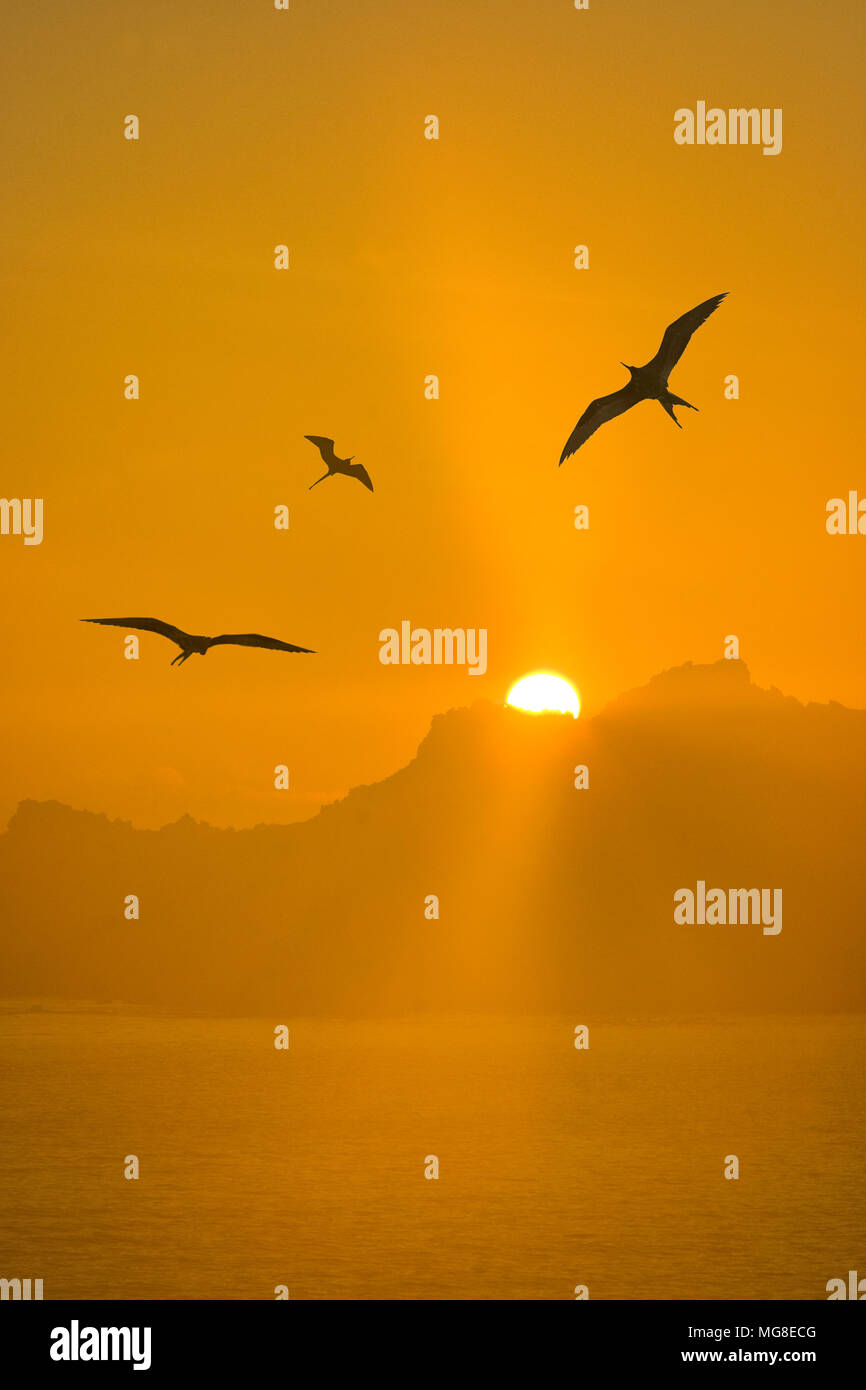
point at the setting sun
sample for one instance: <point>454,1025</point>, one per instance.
<point>544,691</point>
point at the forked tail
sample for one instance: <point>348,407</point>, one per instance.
<point>669,400</point>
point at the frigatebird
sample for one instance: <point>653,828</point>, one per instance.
<point>192,644</point>
<point>648,383</point>
<point>335,465</point>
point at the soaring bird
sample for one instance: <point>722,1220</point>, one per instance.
<point>335,465</point>
<point>648,383</point>
<point>191,643</point>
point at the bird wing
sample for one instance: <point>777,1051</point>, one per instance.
<point>255,639</point>
<point>677,334</point>
<point>357,470</point>
<point>597,413</point>
<point>174,634</point>
<point>324,446</point>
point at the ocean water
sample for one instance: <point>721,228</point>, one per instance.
<point>557,1167</point>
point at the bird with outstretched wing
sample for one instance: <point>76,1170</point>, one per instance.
<point>647,383</point>
<point>335,465</point>
<point>194,644</point>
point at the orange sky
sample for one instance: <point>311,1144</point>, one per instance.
<point>410,257</point>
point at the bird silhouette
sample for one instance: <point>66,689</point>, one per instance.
<point>335,465</point>
<point>648,383</point>
<point>192,644</point>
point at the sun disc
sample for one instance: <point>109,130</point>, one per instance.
<point>544,691</point>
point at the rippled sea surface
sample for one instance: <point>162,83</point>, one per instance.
<point>557,1167</point>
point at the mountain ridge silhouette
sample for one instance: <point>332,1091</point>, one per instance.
<point>550,898</point>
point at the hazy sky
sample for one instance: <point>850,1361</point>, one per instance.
<point>410,257</point>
